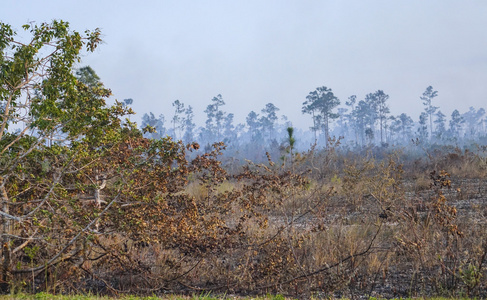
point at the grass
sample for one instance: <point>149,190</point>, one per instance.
<point>42,296</point>
<point>203,296</point>
<point>397,213</point>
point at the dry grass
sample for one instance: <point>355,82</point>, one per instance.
<point>371,227</point>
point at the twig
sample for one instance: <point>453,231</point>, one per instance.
<point>54,259</point>
<point>328,267</point>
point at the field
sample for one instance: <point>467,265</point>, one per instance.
<point>330,223</point>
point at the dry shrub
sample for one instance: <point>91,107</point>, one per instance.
<point>363,229</point>
<point>422,183</point>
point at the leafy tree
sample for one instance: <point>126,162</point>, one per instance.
<point>209,130</point>
<point>61,117</point>
<point>126,105</point>
<point>127,102</point>
<point>440,122</point>
<point>309,108</point>
<point>382,109</point>
<point>342,123</point>
<point>360,115</point>
<point>254,125</point>
<point>269,118</point>
<point>423,127</point>
<point>395,127</point>
<point>369,134</point>
<point>322,101</point>
<point>480,118</point>
<point>76,205</point>
<point>153,126</point>
<point>352,100</point>
<point>88,76</point>
<point>189,125</point>
<point>456,123</point>
<point>215,117</point>
<point>427,98</point>
<point>401,125</point>
<point>229,133</point>
<point>406,125</point>
<point>370,110</point>
<point>177,120</point>
<point>291,141</point>
<point>286,122</point>
<point>377,109</point>
<point>239,129</point>
<point>473,119</point>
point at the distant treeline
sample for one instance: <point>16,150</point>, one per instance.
<point>359,123</point>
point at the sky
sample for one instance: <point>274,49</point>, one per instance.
<point>254,52</point>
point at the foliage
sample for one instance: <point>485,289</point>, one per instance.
<point>49,118</point>
<point>320,104</point>
<point>428,96</point>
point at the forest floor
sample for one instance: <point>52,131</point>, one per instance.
<point>469,197</point>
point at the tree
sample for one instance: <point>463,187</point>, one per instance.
<point>153,126</point>
<point>88,76</point>
<point>371,111</point>
<point>177,120</point>
<point>473,119</point>
<point>456,123</point>
<point>269,118</point>
<point>310,108</point>
<point>215,117</point>
<point>423,127</point>
<point>291,141</point>
<point>382,109</point>
<point>406,125</point>
<point>369,134</point>
<point>342,125</point>
<point>75,206</point>
<point>427,98</point>
<point>480,118</point>
<point>351,102</point>
<point>361,116</point>
<point>322,101</point>
<point>189,125</point>
<point>440,122</point>
<point>254,125</point>
<point>351,119</point>
<point>229,133</point>
<point>377,109</point>
<point>60,118</point>
<point>395,127</point>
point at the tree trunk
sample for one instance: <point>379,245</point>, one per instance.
<point>431,127</point>
<point>327,133</point>
<point>381,139</point>
<point>5,238</point>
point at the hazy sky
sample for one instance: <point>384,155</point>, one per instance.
<point>255,52</point>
